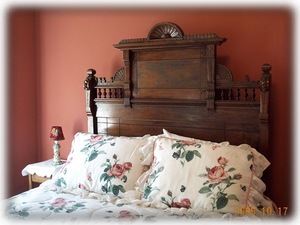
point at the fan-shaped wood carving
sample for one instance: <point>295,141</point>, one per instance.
<point>165,30</point>
<point>120,74</point>
<point>223,73</point>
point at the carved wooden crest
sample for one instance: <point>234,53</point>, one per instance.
<point>165,30</point>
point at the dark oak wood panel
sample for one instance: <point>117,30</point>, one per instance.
<point>173,54</point>
<point>154,74</point>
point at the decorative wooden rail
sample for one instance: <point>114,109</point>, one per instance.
<point>109,90</point>
<point>240,91</point>
<point>113,89</point>
<point>247,91</point>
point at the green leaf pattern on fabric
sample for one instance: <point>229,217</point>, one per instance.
<point>183,154</point>
<point>59,182</point>
<point>91,148</point>
<point>148,188</point>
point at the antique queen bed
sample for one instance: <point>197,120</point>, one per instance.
<point>170,135</point>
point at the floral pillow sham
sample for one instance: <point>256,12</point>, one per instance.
<point>66,179</point>
<point>102,164</point>
<point>195,174</point>
<point>260,162</point>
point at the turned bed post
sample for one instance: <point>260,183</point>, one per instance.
<point>264,108</point>
<point>90,94</point>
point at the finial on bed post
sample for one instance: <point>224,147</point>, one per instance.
<point>89,85</point>
<point>265,77</point>
<point>89,79</point>
<point>264,108</point>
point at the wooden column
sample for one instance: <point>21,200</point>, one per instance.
<point>264,107</point>
<point>127,90</point>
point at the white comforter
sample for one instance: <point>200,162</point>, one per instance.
<point>46,204</point>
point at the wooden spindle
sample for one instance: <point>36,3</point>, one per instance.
<point>238,94</point>
<point>222,94</point>
<point>253,95</point>
<point>246,94</point>
<point>230,94</point>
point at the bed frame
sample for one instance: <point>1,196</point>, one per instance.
<point>171,80</point>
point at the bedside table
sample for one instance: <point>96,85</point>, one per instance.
<point>41,171</point>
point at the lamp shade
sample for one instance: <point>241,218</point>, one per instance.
<point>56,133</point>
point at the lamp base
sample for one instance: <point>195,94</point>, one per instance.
<point>56,155</point>
<point>56,163</point>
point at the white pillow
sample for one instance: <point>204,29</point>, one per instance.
<point>261,163</point>
<point>196,174</point>
<point>102,164</point>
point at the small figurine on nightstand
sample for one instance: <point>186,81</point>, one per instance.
<point>56,135</point>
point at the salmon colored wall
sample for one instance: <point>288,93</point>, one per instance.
<point>71,41</point>
<point>22,92</point>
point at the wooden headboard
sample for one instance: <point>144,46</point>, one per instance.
<point>171,80</point>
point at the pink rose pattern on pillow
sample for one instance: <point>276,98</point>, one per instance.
<point>114,171</point>
<point>219,177</point>
<point>184,203</point>
<point>102,164</point>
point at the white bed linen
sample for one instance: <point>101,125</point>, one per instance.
<point>45,204</point>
